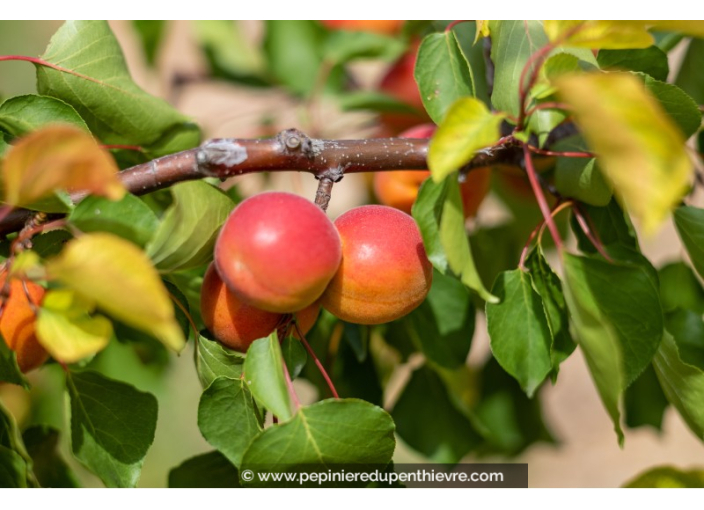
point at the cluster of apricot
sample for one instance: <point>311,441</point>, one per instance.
<point>279,255</point>
<point>19,300</point>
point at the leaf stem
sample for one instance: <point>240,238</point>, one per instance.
<point>41,62</point>
<point>591,234</point>
<point>540,197</point>
<point>565,154</point>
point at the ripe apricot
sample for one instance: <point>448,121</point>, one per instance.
<point>379,26</point>
<point>277,252</point>
<point>385,272</point>
<point>18,320</point>
<point>237,324</point>
<point>399,189</point>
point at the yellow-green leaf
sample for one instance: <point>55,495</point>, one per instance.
<point>121,280</point>
<point>67,331</point>
<point>468,126</point>
<point>482,29</point>
<point>58,157</point>
<point>598,34</point>
<point>638,146</point>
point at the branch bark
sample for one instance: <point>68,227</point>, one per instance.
<point>290,150</point>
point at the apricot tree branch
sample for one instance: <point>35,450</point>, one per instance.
<point>290,150</point>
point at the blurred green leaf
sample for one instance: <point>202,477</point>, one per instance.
<point>667,477</point>
<point>651,61</point>
<point>209,470</point>
<point>683,384</point>
<point>51,243</point>
<point>9,369</point>
<point>112,427</point>
<point>442,73</point>
<point>690,77</point>
<point>186,235</point>
<point>264,375</point>
<point>101,90</point>
<point>228,418</point>
<point>645,402</point>
<point>519,330</point>
<point>343,46</point>
<point>427,421</point>
<point>680,288</point>
<point>129,218</point>
<point>687,328</point>
<point>15,462</point>
<point>151,33</point>
<point>374,101</point>
<point>344,431</point>
<point>23,114</point>
<point>48,465</point>
<point>690,226</point>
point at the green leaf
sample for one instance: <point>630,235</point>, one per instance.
<point>442,73</point>
<point>548,286</point>
<point>118,277</point>
<point>680,288</point>
<point>580,178</point>
<point>214,360</point>
<point>641,150</point>
<point>455,242</point>
<point>9,369</point>
<point>48,465</point>
<point>690,226</point>
<point>228,418</point>
<point>150,33</point>
<point>209,470</point>
<point>687,328</point>
<point>645,402</point>
<point>651,61</point>
<point>467,127</point>
<point>186,235</point>
<point>443,325</point>
<point>296,66</point>
<point>611,224</point>
<point>15,462</point>
<point>112,427</point>
<point>374,101</point>
<point>353,379</point>
<point>344,431</point>
<point>667,477</point>
<point>264,375</point>
<point>513,42</point>
<point>683,384</point>
<point>427,421</point>
<point>295,356</point>
<point>427,211</point>
<point>129,218</point>
<point>343,46</point>
<point>51,243</point>
<point>690,77</point>
<point>13,470</point>
<point>99,87</point>
<point>228,51</point>
<point>23,114</point>
<point>519,331</point>
<point>679,106</point>
<point>66,328</point>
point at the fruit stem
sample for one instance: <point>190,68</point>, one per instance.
<point>311,353</point>
<point>289,384</point>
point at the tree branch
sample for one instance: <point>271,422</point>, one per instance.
<point>290,150</point>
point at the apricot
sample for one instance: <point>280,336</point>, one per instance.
<point>18,320</point>
<point>379,26</point>
<point>385,272</point>
<point>399,83</point>
<point>399,189</point>
<point>237,324</point>
<point>277,252</point>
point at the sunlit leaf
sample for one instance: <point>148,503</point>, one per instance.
<point>66,329</point>
<point>598,34</point>
<point>667,477</point>
<point>58,157</point>
<point>21,115</point>
<point>264,375</point>
<point>639,148</point>
<point>120,279</point>
<point>468,126</point>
